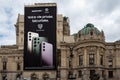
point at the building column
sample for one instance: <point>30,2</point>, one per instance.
<point>85,74</point>
<point>99,72</point>
<point>64,64</point>
<point>117,75</point>
<point>98,57</point>
<point>63,74</point>
<point>85,58</point>
<point>64,60</point>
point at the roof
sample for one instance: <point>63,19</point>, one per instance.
<point>89,27</point>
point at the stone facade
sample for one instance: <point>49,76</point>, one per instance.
<point>92,56</point>
<point>82,56</point>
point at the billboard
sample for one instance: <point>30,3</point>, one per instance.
<point>40,38</point>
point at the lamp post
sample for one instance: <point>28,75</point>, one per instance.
<point>71,76</point>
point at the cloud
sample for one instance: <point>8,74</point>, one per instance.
<point>104,14</point>
<point>106,6</point>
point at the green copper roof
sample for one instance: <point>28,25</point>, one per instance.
<point>89,27</point>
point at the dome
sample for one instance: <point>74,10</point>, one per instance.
<point>118,41</point>
<point>88,28</point>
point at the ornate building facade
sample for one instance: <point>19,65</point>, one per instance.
<point>82,56</point>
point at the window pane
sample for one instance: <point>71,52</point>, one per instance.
<point>18,66</point>
<point>4,65</point>
<point>91,59</point>
<point>80,60</point>
<point>110,62</point>
<point>101,60</point>
<point>110,74</point>
<point>92,72</point>
<point>79,73</point>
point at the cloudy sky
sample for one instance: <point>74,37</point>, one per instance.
<point>104,14</point>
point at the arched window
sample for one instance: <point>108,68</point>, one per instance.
<point>110,62</point>
<point>4,65</point>
<point>80,60</point>
<point>101,59</point>
<point>91,59</point>
<point>18,66</point>
<point>4,60</point>
<point>91,33</point>
<point>79,73</point>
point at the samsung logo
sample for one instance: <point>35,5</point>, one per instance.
<point>36,10</point>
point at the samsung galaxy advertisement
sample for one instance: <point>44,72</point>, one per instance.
<point>40,38</point>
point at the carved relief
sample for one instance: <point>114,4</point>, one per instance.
<point>80,51</point>
<point>91,49</point>
<point>101,51</point>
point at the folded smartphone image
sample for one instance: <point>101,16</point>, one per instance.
<point>47,54</point>
<point>30,36</point>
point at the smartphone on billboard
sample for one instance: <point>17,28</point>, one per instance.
<point>47,54</point>
<point>30,36</point>
<point>36,48</point>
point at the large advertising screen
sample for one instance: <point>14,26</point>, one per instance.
<point>40,38</point>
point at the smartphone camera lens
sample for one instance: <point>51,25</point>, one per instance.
<point>34,45</point>
<point>43,46</point>
<point>43,43</point>
<point>43,49</point>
